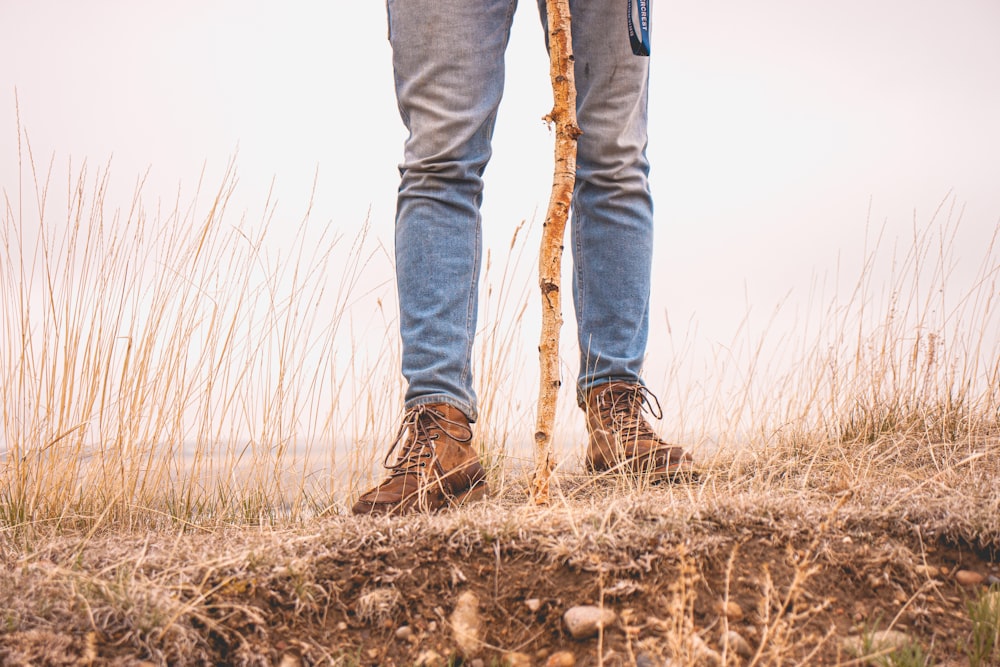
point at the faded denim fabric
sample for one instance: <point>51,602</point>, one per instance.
<point>448,60</point>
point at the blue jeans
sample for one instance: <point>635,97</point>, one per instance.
<point>448,60</point>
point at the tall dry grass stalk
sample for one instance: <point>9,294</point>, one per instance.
<point>166,365</point>
<point>909,345</point>
<point>915,355</point>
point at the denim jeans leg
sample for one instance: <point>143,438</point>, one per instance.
<point>612,218</point>
<point>448,63</point>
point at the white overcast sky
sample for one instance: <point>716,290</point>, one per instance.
<point>773,122</point>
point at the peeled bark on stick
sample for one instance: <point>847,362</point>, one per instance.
<point>550,257</point>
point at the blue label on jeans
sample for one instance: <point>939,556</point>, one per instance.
<point>638,15</point>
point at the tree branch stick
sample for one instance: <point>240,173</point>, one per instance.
<point>550,257</point>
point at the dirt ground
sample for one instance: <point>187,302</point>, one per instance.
<point>804,563</point>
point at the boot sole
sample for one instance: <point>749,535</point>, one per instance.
<point>470,495</point>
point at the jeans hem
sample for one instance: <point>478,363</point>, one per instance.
<point>583,389</point>
<point>468,410</point>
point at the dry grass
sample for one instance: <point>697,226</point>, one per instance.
<point>165,365</point>
<point>186,414</point>
<point>792,556</point>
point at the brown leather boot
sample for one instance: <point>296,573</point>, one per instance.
<point>622,441</point>
<point>435,467</point>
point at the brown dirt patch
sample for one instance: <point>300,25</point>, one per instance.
<point>806,565</point>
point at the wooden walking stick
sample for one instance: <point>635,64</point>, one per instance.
<point>550,256</point>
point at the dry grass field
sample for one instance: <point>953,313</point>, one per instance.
<point>805,559</point>
<point>169,391</point>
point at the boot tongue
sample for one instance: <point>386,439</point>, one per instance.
<point>626,405</point>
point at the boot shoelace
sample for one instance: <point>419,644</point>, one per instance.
<point>418,448</point>
<point>623,407</point>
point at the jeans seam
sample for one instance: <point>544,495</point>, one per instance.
<point>579,271</point>
<point>470,313</point>
<point>510,18</point>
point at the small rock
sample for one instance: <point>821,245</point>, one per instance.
<point>587,621</point>
<point>404,632</point>
<point>478,662</point>
<point>969,578</point>
<point>644,660</point>
<point>290,660</point>
<point>430,658</point>
<point>730,610</point>
<point>927,570</point>
<point>373,653</point>
<point>736,642</point>
<point>992,580</point>
<point>534,604</point>
<point>704,653</point>
<point>465,623</point>
<point>882,641</point>
<point>561,659</point>
<point>342,626</point>
<point>515,659</point>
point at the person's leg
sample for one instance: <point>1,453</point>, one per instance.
<point>612,241</point>
<point>612,223</point>
<point>448,62</point>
